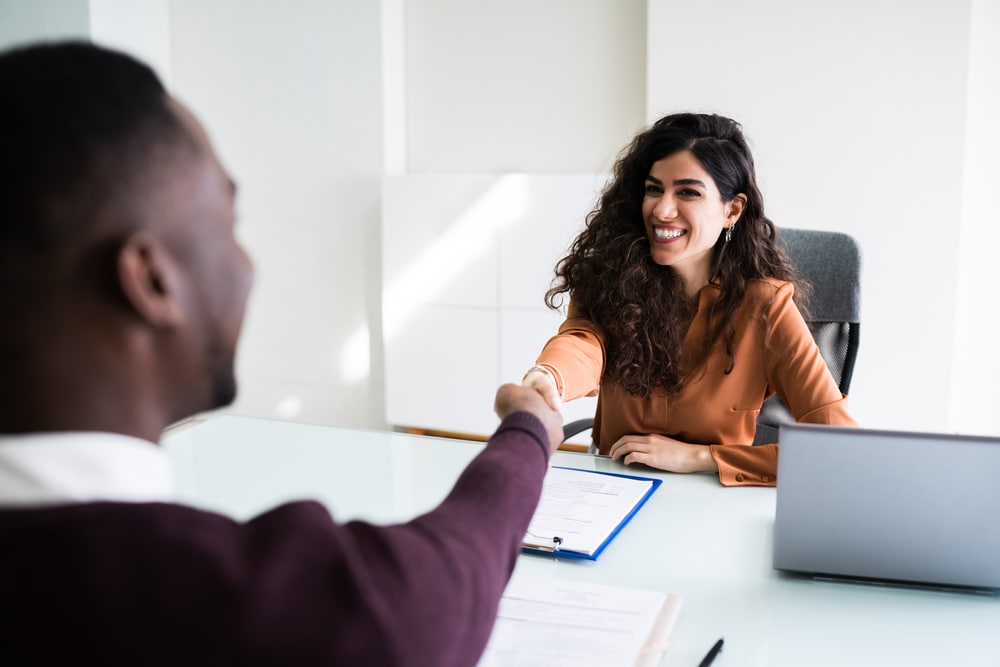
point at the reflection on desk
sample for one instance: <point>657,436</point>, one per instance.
<point>710,545</point>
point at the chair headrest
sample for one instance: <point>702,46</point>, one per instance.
<point>831,263</point>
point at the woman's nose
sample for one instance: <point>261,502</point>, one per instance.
<point>665,209</point>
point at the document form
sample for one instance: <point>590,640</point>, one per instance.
<point>568,623</point>
<point>580,511</point>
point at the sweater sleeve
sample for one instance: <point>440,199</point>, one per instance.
<point>419,593</point>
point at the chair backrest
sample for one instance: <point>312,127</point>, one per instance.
<point>831,263</point>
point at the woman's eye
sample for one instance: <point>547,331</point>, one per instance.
<point>653,189</point>
<point>688,192</point>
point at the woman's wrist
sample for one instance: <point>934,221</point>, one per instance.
<point>560,385</point>
<point>705,461</point>
<point>551,373</point>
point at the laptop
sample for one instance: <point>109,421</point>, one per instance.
<point>888,506</point>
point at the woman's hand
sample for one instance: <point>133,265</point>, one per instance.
<point>659,451</point>
<point>545,385</point>
<point>511,398</point>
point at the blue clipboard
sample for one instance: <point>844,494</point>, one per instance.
<point>556,551</point>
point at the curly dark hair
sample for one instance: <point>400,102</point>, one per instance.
<point>641,306</point>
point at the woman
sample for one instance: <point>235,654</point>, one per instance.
<point>683,311</point>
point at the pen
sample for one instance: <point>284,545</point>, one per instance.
<point>710,656</point>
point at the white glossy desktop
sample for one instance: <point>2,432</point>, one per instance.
<point>709,544</point>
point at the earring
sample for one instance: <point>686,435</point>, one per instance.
<point>729,234</point>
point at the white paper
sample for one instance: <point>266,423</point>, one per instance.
<point>545,622</point>
<point>582,508</point>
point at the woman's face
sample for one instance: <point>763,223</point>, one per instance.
<point>684,215</point>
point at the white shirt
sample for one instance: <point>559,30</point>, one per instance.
<point>76,467</point>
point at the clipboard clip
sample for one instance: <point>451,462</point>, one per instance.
<point>544,544</point>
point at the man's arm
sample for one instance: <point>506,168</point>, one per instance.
<point>443,600</point>
<point>426,592</point>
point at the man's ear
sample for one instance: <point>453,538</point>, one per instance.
<point>734,208</point>
<point>149,278</point>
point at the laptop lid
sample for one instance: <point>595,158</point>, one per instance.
<point>888,505</point>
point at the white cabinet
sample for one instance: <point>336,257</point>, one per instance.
<point>466,261</point>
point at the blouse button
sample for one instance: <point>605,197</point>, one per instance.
<point>739,477</point>
<point>765,478</point>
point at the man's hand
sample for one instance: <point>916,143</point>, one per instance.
<point>659,451</point>
<point>512,398</point>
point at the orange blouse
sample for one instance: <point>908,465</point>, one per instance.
<point>774,353</point>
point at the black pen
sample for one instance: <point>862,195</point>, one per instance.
<point>710,656</point>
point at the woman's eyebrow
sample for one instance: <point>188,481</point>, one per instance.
<point>689,181</point>
<point>679,181</point>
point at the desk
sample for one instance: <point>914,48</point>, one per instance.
<point>709,544</point>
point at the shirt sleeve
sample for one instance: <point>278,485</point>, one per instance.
<point>746,465</point>
<point>796,371</point>
<point>577,353</point>
<point>424,592</point>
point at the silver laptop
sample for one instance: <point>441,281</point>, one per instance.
<point>888,506</point>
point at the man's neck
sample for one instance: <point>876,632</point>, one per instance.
<point>40,406</point>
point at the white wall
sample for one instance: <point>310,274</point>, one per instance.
<point>864,114</point>
<point>139,27</point>
<point>873,117</point>
<point>24,20</point>
<point>975,395</point>
<point>466,261</point>
<point>522,85</point>
<point>291,93</point>
<point>856,110</point>
<point>469,247</point>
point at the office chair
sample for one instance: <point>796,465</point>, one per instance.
<point>577,427</point>
<point>831,263</point>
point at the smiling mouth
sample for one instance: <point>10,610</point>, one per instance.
<point>667,234</point>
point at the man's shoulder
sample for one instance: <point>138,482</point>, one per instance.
<point>133,541</point>
<point>155,583</point>
<point>161,519</point>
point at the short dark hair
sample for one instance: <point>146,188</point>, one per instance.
<point>77,125</point>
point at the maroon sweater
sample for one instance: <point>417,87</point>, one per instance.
<point>161,584</point>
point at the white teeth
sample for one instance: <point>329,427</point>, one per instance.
<point>668,233</point>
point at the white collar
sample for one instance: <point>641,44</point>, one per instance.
<point>76,467</point>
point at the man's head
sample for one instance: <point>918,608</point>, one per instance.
<point>121,281</point>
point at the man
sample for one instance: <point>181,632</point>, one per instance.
<point>122,291</point>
